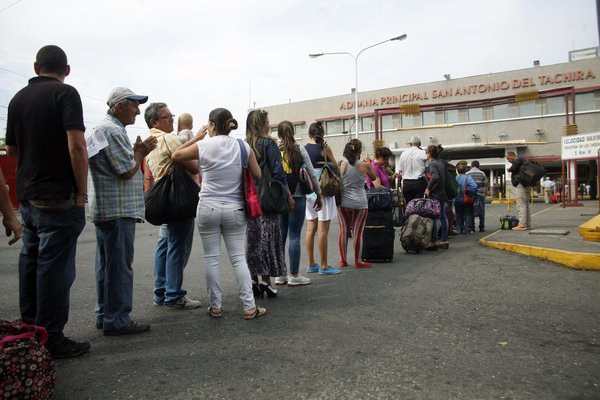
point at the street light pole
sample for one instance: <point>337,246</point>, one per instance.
<point>355,58</point>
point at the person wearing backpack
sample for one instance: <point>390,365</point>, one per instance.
<point>481,180</point>
<point>293,159</point>
<point>265,251</point>
<point>463,203</point>
<point>319,221</point>
<point>521,192</point>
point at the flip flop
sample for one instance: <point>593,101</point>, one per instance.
<point>258,312</point>
<point>215,314</point>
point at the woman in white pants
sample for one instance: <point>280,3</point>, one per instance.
<point>221,205</point>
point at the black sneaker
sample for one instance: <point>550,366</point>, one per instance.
<point>130,329</point>
<point>69,349</point>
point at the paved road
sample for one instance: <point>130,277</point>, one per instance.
<point>467,323</point>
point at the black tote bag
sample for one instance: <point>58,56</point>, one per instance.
<point>173,198</point>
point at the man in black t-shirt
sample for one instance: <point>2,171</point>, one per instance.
<point>45,131</point>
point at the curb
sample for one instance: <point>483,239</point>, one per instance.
<point>590,230</point>
<point>571,259</point>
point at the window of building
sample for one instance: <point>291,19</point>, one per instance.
<point>429,118</point>
<point>333,127</point>
<point>500,111</point>
<point>348,125</point>
<point>433,118</point>
<point>387,122</point>
<point>584,102</point>
<point>476,114</point>
<point>528,109</point>
<point>410,121</point>
<point>555,105</point>
<point>367,124</point>
<point>451,116</point>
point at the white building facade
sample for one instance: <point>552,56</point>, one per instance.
<point>480,117</point>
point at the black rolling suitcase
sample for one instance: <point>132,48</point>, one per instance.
<point>378,236</point>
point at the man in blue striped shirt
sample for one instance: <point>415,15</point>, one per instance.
<point>116,204</point>
<point>481,179</point>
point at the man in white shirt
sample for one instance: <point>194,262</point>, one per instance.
<point>548,186</point>
<point>412,166</point>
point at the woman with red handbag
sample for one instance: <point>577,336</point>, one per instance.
<point>463,203</point>
<point>221,206</point>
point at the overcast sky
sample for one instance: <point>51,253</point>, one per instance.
<point>199,55</point>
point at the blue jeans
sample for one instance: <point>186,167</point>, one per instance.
<point>293,221</point>
<point>172,254</point>
<point>216,219</point>
<point>114,275</point>
<point>440,229</point>
<point>464,218</point>
<point>482,214</point>
<point>444,225</point>
<point>47,266</point>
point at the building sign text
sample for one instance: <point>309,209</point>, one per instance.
<point>528,83</point>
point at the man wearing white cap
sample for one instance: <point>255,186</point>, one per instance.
<point>116,204</point>
<point>412,166</point>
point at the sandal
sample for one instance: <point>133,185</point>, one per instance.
<point>258,312</point>
<point>214,313</point>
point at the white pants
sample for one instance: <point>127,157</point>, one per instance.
<point>547,194</point>
<point>522,198</point>
<point>216,218</point>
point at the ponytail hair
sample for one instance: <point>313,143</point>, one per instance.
<point>223,120</point>
<point>316,132</point>
<point>352,149</point>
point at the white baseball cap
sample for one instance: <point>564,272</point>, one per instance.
<point>121,93</point>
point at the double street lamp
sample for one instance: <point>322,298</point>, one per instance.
<point>355,57</point>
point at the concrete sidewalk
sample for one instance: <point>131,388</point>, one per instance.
<point>554,237</point>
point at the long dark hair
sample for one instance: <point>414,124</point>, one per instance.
<point>223,120</point>
<point>316,132</point>
<point>285,131</point>
<point>352,149</point>
<point>256,122</point>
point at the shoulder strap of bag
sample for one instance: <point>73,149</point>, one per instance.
<point>243,154</point>
<point>167,144</point>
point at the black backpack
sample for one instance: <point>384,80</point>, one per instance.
<point>530,173</point>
